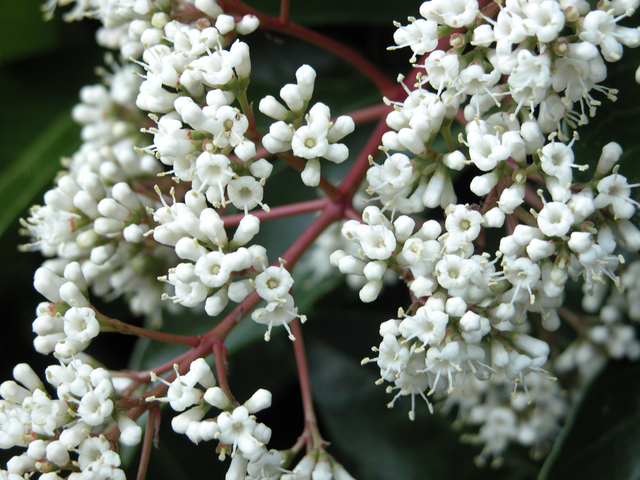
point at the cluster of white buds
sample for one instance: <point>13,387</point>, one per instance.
<point>235,428</point>
<point>222,269</point>
<point>317,138</point>
<point>63,434</point>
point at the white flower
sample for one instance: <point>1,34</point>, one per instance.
<point>274,283</point>
<point>453,13</point>
<point>245,193</point>
<point>555,219</point>
<point>614,191</point>
<point>377,241</point>
<point>310,141</point>
<point>427,325</point>
<point>279,312</point>
<point>420,35</point>
<point>80,324</point>
<point>237,429</point>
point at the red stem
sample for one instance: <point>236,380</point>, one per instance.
<point>284,12</point>
<point>114,325</point>
<point>311,433</point>
<point>369,114</point>
<point>145,454</point>
<point>279,212</point>
<point>220,355</point>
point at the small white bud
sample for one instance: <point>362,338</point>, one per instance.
<point>370,291</point>
<point>375,270</point>
<point>180,423</point>
<point>306,77</point>
<point>311,173</point>
<point>100,255</point>
<point>109,208</point>
<point>48,284</point>
<point>272,108</point>
<point>261,168</point>
<point>240,290</point>
<point>482,184</point>
<point>433,193</point>
<point>24,374</point>
<point>108,226</point>
<point>57,453</point>
<point>412,142</point>
<point>210,7</point>
<point>133,233</point>
<point>130,431</point>
<point>610,155</point>
<point>248,228</point>
<point>247,24</point>
<point>404,226</point>
<point>494,218</point>
<point>123,194</point>
<point>225,24</point>
<point>215,396</point>
<point>292,96</point>
<point>259,401</point>
<point>216,303</point>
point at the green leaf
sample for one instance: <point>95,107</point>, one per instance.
<point>601,438</point>
<point>35,167</point>
<point>16,18</point>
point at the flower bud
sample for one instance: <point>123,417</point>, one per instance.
<point>342,127</point>
<point>258,401</point>
<point>48,284</point>
<point>210,7</point>
<point>292,96</point>
<point>247,24</point>
<point>610,155</point>
<point>180,423</point>
<point>57,453</point>
<point>225,24</point>
<point>24,374</point>
<point>482,184</point>
<point>108,226</point>
<point>306,77</point>
<point>100,255</point>
<point>189,249</point>
<point>494,218</point>
<point>455,160</point>
<point>370,291</point>
<point>375,270</point>
<point>433,193</point>
<point>248,228</point>
<point>216,303</point>
<point>411,141</point>
<point>123,194</point>
<point>311,173</point>
<point>240,290</point>
<point>215,396</point>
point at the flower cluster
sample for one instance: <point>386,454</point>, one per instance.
<point>523,80</point>
<point>72,433</point>
<point>164,205</point>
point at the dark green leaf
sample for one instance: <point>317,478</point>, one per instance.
<point>34,169</point>
<point>16,19</point>
<point>601,438</point>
